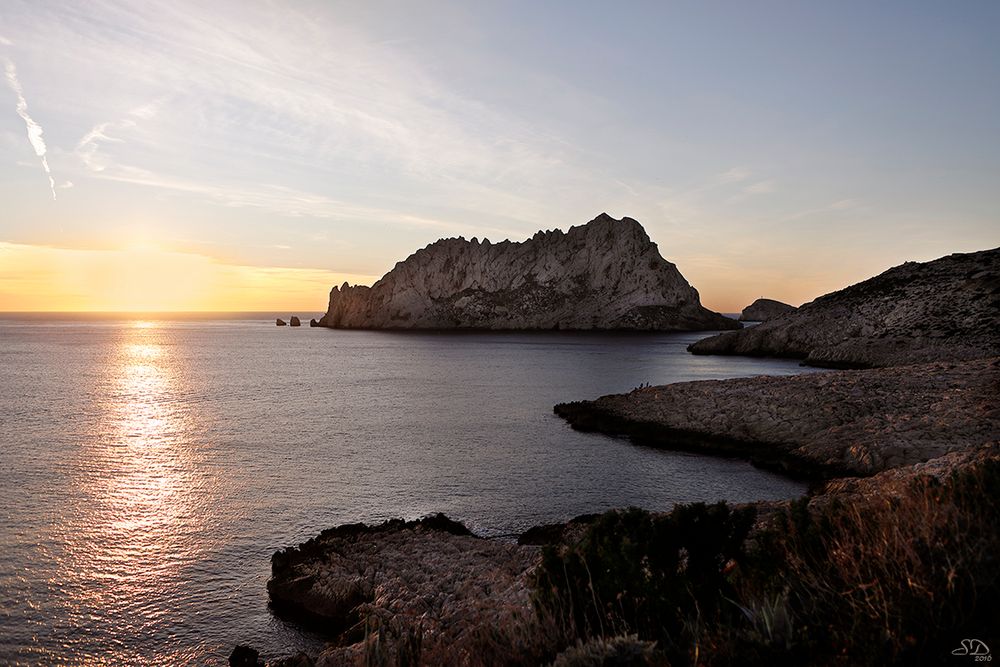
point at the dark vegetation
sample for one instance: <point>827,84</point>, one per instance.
<point>894,577</point>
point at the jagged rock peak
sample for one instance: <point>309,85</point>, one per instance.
<point>605,274</point>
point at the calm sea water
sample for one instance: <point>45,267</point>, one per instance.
<point>150,468</point>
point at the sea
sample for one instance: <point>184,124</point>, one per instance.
<point>152,464</point>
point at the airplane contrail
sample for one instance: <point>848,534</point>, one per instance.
<point>34,129</point>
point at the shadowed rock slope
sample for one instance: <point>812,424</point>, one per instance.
<point>948,308</point>
<point>606,274</point>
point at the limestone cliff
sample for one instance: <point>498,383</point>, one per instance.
<point>762,310</point>
<point>605,274</point>
<point>946,309</point>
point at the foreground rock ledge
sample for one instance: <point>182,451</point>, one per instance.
<point>819,425</point>
<point>398,576</point>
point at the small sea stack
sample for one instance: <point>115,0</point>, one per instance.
<point>762,310</point>
<point>294,321</point>
<point>280,322</point>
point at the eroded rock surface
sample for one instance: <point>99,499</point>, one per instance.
<point>429,577</point>
<point>817,425</point>
<point>606,274</point>
<point>948,308</point>
<point>763,310</point>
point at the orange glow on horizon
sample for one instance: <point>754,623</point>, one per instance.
<point>142,278</point>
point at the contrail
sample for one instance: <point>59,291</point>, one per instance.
<point>34,129</point>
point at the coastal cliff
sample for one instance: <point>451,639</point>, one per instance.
<point>606,274</point>
<point>945,309</point>
<point>762,310</point>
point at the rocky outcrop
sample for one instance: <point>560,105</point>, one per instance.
<point>295,321</point>
<point>280,322</point>
<point>818,425</point>
<point>948,308</point>
<point>313,322</point>
<point>606,274</point>
<point>762,310</point>
<point>430,580</point>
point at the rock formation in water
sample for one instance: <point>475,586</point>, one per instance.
<point>313,322</point>
<point>946,309</point>
<point>605,274</point>
<point>295,321</point>
<point>280,322</point>
<point>762,310</point>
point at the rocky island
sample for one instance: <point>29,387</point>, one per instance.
<point>948,308</point>
<point>762,310</point>
<point>606,274</point>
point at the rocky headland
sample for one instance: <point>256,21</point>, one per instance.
<point>606,274</point>
<point>816,425</point>
<point>945,309</point>
<point>762,310</point>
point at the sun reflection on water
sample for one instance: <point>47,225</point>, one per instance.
<point>142,528</point>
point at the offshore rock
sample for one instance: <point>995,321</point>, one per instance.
<point>946,309</point>
<point>280,322</point>
<point>606,274</point>
<point>295,322</point>
<point>762,310</point>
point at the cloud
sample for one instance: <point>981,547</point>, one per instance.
<point>34,129</point>
<point>734,175</point>
<point>760,188</point>
<point>5,42</point>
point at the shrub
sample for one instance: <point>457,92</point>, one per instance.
<point>895,577</point>
<point>663,578</point>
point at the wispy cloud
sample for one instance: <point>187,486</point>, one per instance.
<point>34,129</point>
<point>734,175</point>
<point>760,188</point>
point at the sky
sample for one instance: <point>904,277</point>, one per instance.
<point>249,155</point>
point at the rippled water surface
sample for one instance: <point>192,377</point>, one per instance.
<point>151,467</point>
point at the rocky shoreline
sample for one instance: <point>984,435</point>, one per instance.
<point>890,556</point>
<point>816,426</point>
<point>855,434</point>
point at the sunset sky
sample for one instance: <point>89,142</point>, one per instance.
<point>248,156</point>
